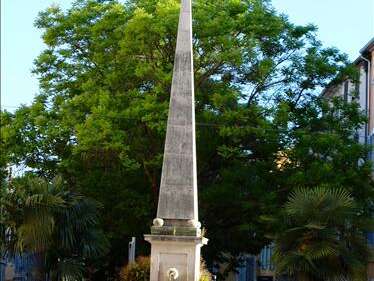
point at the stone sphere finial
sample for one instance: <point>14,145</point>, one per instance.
<point>158,222</point>
<point>194,223</point>
<point>173,273</point>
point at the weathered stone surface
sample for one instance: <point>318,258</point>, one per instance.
<point>176,235</point>
<point>178,190</point>
<point>176,231</point>
<point>179,252</point>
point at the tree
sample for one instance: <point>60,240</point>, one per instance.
<point>60,225</point>
<point>99,120</point>
<point>322,236</point>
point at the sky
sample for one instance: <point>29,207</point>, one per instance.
<point>345,24</point>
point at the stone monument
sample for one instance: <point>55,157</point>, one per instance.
<point>176,235</point>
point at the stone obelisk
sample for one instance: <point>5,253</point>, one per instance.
<point>175,235</point>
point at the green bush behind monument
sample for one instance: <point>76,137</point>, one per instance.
<point>140,270</point>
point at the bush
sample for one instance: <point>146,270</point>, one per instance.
<point>137,271</point>
<point>140,271</point>
<point>204,272</point>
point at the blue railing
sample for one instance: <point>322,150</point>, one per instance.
<point>247,270</point>
<point>265,258</point>
<point>2,270</point>
<point>24,267</point>
<point>370,238</point>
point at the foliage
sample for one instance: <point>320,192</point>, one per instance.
<point>136,271</point>
<point>140,271</point>
<point>99,119</point>
<point>322,236</point>
<point>205,275</point>
<point>57,223</point>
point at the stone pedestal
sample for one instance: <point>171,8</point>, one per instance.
<point>180,253</point>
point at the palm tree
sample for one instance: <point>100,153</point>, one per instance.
<point>323,237</point>
<point>60,224</point>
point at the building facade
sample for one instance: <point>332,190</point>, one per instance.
<point>364,90</point>
<point>364,95</point>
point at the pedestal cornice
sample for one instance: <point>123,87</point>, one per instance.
<point>178,239</point>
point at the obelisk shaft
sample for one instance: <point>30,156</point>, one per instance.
<point>178,190</point>
<point>176,235</point>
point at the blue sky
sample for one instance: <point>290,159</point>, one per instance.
<point>346,24</point>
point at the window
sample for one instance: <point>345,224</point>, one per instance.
<point>346,86</point>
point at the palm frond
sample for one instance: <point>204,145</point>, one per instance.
<point>323,236</point>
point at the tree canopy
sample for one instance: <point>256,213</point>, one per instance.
<point>99,120</point>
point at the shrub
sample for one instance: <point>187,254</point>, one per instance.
<point>140,271</point>
<point>137,271</point>
<point>204,272</point>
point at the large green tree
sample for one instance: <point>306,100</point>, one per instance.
<point>99,120</point>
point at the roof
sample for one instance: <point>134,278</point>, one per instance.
<point>365,51</point>
<point>367,47</point>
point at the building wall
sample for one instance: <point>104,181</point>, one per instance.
<point>371,108</point>
<point>364,101</point>
<point>347,90</point>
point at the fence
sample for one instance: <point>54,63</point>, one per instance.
<point>252,265</point>
<point>265,259</point>
<point>20,268</point>
<point>2,270</point>
<point>247,270</point>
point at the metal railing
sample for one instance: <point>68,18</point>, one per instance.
<point>20,267</point>
<point>265,259</point>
